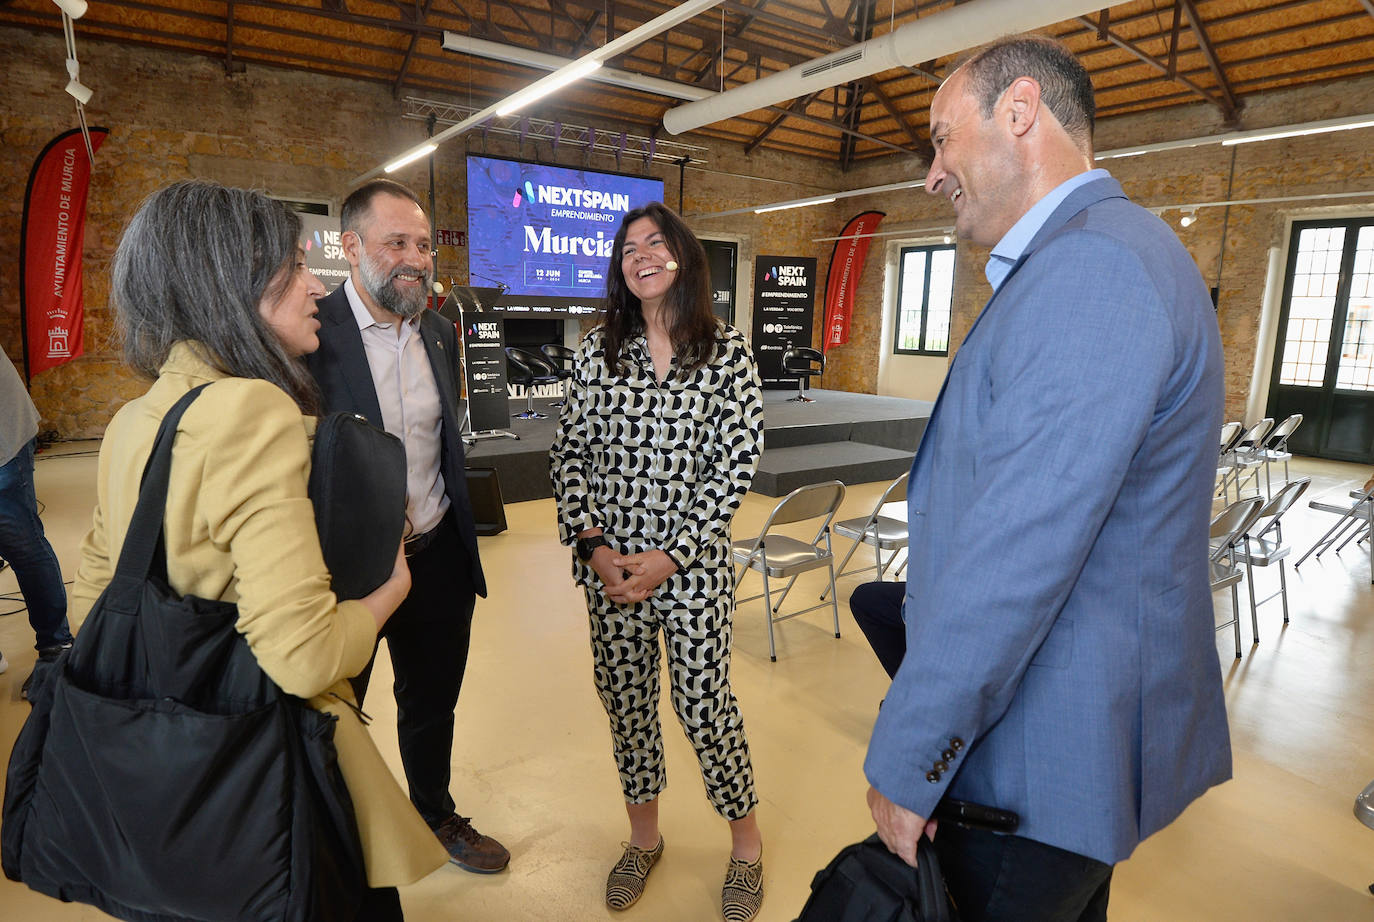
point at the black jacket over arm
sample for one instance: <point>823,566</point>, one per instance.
<point>340,368</point>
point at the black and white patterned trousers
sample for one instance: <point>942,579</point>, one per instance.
<point>693,612</point>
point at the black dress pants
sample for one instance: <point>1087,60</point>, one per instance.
<point>1007,878</point>
<point>428,638</point>
<point>877,609</point>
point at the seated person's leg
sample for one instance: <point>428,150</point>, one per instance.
<point>877,609</point>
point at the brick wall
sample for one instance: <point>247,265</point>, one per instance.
<point>304,136</point>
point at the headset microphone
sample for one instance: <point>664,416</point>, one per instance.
<point>671,265</point>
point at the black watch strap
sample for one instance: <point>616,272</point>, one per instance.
<point>585,546</point>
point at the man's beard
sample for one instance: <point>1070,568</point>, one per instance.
<point>380,286</point>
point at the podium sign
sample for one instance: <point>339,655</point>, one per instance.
<point>784,299</point>
<point>485,341</point>
<point>484,348</point>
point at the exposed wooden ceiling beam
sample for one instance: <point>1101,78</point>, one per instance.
<point>230,65</point>
<point>1231,107</point>
<point>1154,62</point>
<point>797,105</point>
<point>421,14</point>
<point>1174,31</point>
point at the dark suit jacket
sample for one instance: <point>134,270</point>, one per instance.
<point>340,368</point>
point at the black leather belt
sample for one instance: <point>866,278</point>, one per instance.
<point>418,543</point>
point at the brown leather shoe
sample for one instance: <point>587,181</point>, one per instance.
<point>469,849</point>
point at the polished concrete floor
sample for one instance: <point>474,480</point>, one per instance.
<point>533,766</point>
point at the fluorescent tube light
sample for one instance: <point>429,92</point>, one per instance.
<point>800,203</point>
<point>1315,128</point>
<point>662,23</point>
<point>546,85</point>
<point>411,157</point>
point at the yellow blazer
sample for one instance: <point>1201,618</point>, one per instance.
<point>240,527</point>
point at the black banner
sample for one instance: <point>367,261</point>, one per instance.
<point>323,244</point>
<point>784,301</point>
<point>484,341</point>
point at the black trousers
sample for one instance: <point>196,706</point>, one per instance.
<point>877,609</point>
<point>428,639</point>
<point>1004,878</point>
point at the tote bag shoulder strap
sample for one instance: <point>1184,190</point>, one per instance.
<point>144,537</point>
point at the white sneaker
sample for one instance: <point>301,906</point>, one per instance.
<point>4,664</point>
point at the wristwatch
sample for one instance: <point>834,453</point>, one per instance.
<point>585,546</point>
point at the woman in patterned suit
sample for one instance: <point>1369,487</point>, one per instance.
<point>656,447</point>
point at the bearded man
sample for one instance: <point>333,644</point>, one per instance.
<point>386,357</point>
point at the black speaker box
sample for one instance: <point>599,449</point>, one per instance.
<point>484,489</point>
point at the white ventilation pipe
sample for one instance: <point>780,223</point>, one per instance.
<point>514,54</point>
<point>967,25</point>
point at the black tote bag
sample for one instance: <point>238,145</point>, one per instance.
<point>162,775</point>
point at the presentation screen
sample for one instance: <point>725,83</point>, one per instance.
<point>545,232</point>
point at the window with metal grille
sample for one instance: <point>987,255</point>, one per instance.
<point>925,288</point>
<point>1319,302</point>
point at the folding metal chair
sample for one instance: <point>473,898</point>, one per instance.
<point>1226,463</point>
<point>777,555</point>
<point>1275,449</point>
<point>1247,455</point>
<point>1355,524</point>
<point>1264,543</point>
<point>1227,532</point>
<point>882,532</point>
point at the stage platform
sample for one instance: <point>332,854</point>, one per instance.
<point>854,438</point>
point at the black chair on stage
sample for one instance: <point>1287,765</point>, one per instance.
<point>561,358</point>
<point>804,362</point>
<point>529,370</point>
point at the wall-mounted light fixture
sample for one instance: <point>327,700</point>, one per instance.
<point>1188,218</point>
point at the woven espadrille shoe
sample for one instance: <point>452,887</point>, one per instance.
<point>742,895</point>
<point>625,884</point>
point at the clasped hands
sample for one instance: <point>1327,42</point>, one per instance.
<point>630,578</point>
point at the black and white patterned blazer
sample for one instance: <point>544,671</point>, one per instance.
<point>658,466</point>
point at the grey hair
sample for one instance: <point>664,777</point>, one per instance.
<point>1065,87</point>
<point>195,264</point>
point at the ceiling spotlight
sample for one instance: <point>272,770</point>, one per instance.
<point>1188,218</point>
<point>73,8</point>
<point>79,91</point>
<point>75,88</point>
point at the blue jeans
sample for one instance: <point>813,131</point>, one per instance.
<point>22,544</point>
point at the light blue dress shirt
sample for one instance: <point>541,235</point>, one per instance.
<point>1015,241</point>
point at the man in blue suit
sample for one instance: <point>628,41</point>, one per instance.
<point>1060,654</point>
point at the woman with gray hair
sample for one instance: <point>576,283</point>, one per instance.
<point>210,287</point>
